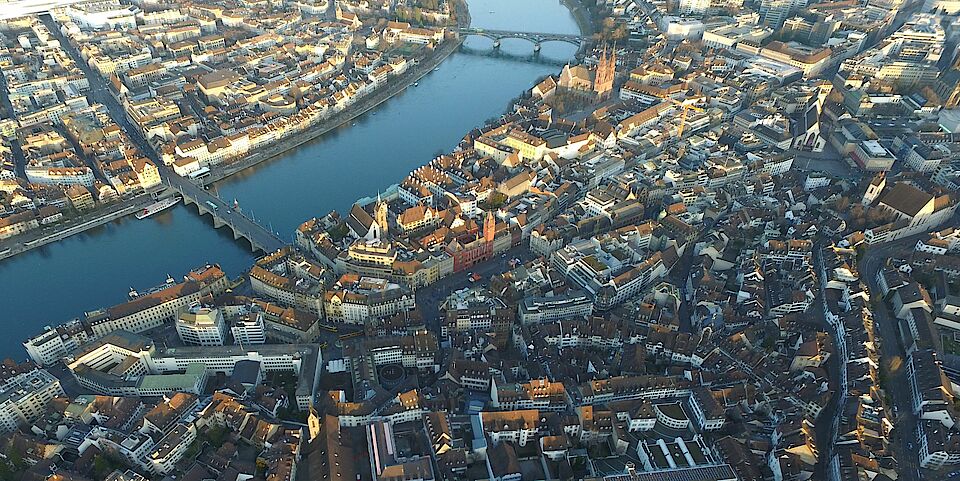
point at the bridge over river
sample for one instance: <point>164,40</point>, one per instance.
<point>225,215</point>
<point>536,38</point>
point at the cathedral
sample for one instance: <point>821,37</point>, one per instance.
<point>597,81</point>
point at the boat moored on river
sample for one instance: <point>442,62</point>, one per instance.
<point>158,206</point>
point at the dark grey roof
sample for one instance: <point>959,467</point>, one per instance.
<point>246,371</point>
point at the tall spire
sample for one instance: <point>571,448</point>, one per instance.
<point>380,217</point>
<point>606,71</point>
<point>489,227</point>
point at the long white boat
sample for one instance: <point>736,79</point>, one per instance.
<point>158,206</point>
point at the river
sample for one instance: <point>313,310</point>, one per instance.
<point>60,281</point>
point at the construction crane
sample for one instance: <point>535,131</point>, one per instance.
<point>686,105</point>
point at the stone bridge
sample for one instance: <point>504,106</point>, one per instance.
<point>536,38</point>
<point>224,214</point>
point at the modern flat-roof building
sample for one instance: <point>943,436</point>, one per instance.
<point>193,380</point>
<point>607,270</point>
<point>248,329</point>
<point>201,326</point>
<point>171,448</point>
<point>55,343</point>
<point>102,14</point>
<point>872,157</point>
<point>24,398</point>
<point>572,305</point>
<point>20,8</point>
<point>126,364</point>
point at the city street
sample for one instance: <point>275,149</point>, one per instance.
<point>828,424</point>
<point>894,357</point>
<point>681,273</point>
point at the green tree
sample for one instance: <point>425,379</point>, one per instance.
<point>8,471</point>
<point>620,33</point>
<point>193,451</point>
<point>16,460</point>
<point>338,232</point>
<point>494,201</point>
<point>843,204</point>
<point>215,436</point>
<point>612,31</point>
<point>102,467</point>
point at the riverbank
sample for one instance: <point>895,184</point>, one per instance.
<point>582,16</point>
<point>93,270</point>
<point>463,13</point>
<point>42,236</point>
<point>394,87</point>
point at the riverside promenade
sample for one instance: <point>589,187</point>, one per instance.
<point>40,237</point>
<point>45,235</point>
<point>582,16</point>
<point>364,105</point>
<point>217,173</point>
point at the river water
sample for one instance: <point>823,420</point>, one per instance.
<point>60,281</point>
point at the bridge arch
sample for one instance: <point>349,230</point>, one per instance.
<point>537,39</point>
<point>259,238</point>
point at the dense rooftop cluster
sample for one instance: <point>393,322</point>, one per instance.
<point>203,84</point>
<point>724,249</point>
<point>61,155</point>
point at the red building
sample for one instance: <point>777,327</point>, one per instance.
<point>467,251</point>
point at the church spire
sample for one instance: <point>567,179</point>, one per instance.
<point>606,71</point>
<point>380,217</point>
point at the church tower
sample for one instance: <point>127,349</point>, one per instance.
<point>380,217</point>
<point>874,189</point>
<point>606,71</point>
<point>313,423</point>
<point>489,228</point>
